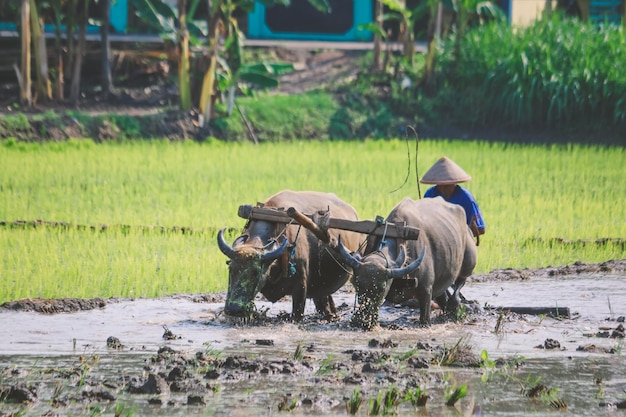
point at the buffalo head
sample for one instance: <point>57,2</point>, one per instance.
<point>247,272</point>
<point>373,276</point>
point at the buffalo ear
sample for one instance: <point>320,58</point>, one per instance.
<point>240,240</point>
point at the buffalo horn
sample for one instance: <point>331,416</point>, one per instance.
<point>347,256</point>
<point>393,273</point>
<point>230,252</point>
<point>224,247</point>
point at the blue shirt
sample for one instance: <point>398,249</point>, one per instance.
<point>463,198</point>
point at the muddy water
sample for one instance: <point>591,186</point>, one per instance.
<point>36,348</point>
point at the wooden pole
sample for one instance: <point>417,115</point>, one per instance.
<point>308,223</point>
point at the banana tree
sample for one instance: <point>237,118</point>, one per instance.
<point>233,74</point>
<point>221,18</point>
<point>226,71</point>
<point>178,26</point>
<point>472,10</point>
<point>183,57</point>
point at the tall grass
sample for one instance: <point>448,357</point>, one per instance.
<point>529,196</point>
<point>555,72</point>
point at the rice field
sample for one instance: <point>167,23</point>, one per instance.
<point>543,205</point>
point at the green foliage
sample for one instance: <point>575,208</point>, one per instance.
<point>554,73</point>
<point>161,17</point>
<point>14,122</point>
<point>275,123</point>
<point>128,125</point>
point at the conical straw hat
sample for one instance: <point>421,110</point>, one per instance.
<point>445,171</point>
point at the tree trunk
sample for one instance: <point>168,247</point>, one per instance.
<point>69,31</point>
<point>434,25</point>
<point>58,44</point>
<point>377,61</point>
<point>208,83</point>
<point>42,88</point>
<point>25,84</point>
<point>107,77</point>
<point>184,89</point>
<point>80,52</point>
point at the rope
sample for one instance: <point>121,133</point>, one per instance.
<point>382,239</point>
<point>338,262</point>
<point>282,233</point>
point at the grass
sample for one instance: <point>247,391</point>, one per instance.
<point>529,195</point>
<point>303,116</point>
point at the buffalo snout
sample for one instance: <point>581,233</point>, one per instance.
<point>239,309</point>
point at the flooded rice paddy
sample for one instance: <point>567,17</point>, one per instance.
<point>179,356</point>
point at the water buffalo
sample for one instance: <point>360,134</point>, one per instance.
<point>277,259</point>
<point>443,255</point>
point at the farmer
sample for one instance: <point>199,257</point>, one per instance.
<point>446,175</point>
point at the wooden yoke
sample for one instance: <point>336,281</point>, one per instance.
<point>369,227</point>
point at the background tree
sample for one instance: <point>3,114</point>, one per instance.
<point>79,51</point>
<point>213,25</point>
<point>183,57</point>
<point>23,75</point>
<point>42,87</point>
<point>59,81</point>
<point>107,76</point>
<point>221,20</point>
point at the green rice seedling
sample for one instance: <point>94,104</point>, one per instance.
<point>326,366</point>
<point>500,322</point>
<point>376,404</point>
<point>96,410</point>
<point>408,354</point>
<point>391,400</point>
<point>453,394</point>
<point>353,404</point>
<point>123,410</point>
<point>120,196</point>
<point>450,355</point>
<point>287,404</point>
<point>298,355</point>
<point>417,396</point>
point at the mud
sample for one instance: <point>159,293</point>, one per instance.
<point>179,355</point>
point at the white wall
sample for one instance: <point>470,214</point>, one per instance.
<point>525,11</point>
